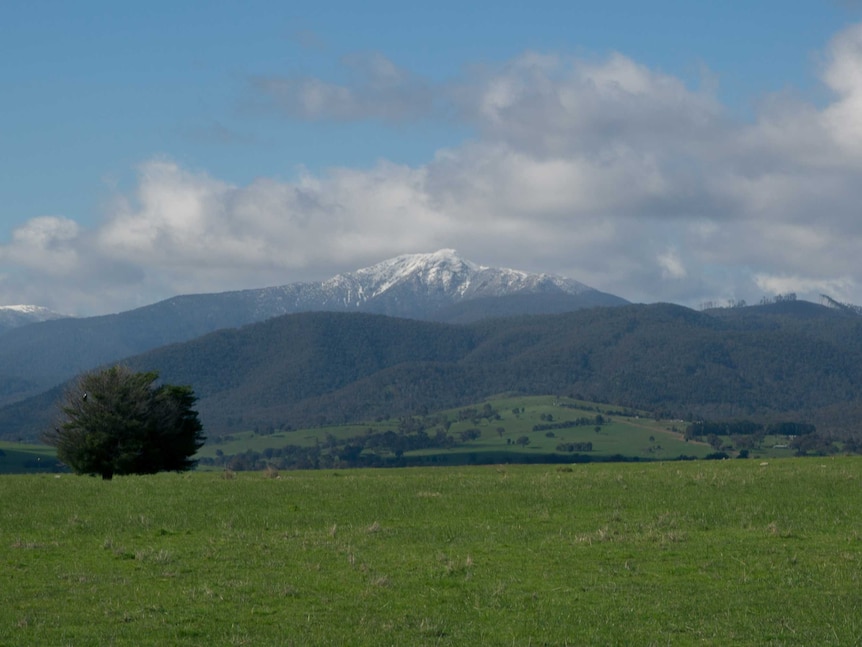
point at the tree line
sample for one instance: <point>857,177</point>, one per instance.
<point>373,448</point>
<point>744,435</point>
<point>598,420</point>
<point>701,428</point>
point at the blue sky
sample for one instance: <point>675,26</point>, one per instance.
<point>672,151</point>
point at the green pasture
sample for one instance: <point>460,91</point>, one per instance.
<point>628,435</point>
<point>738,552</point>
<point>633,435</point>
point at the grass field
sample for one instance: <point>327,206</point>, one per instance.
<point>707,553</point>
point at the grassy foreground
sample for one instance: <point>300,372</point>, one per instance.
<point>717,553</point>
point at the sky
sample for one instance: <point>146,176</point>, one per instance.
<point>687,152</point>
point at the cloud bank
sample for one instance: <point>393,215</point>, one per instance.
<point>607,171</point>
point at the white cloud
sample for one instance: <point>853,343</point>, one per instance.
<point>605,170</point>
<point>549,105</point>
<point>843,74</point>
<point>44,244</point>
<point>671,265</point>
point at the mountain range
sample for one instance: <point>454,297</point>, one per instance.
<point>439,286</point>
<point>788,361</point>
<point>423,332</point>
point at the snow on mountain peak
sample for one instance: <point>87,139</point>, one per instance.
<point>13,316</point>
<point>36,312</point>
<point>414,285</point>
<point>442,273</point>
<point>442,269</point>
<point>22,309</point>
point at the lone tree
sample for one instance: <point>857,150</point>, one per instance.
<point>117,421</point>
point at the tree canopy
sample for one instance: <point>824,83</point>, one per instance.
<point>117,421</point>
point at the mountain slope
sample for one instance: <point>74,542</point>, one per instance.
<point>656,357</point>
<point>304,369</point>
<point>422,286</point>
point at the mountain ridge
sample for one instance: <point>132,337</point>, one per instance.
<point>37,356</point>
<point>770,363</point>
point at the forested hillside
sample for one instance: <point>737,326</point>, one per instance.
<point>771,362</point>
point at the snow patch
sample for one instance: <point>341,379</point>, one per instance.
<point>26,309</point>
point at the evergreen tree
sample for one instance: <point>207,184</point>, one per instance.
<point>116,421</point>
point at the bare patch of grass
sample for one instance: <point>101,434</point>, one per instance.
<point>151,556</point>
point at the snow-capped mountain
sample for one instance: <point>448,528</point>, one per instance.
<point>440,286</point>
<point>21,315</point>
<point>443,274</point>
<point>424,286</point>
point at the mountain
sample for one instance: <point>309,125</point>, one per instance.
<point>435,286</point>
<point>424,286</point>
<point>796,361</point>
<point>21,315</point>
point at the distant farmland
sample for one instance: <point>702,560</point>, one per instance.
<point>526,429</point>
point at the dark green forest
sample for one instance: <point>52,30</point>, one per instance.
<point>769,363</point>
